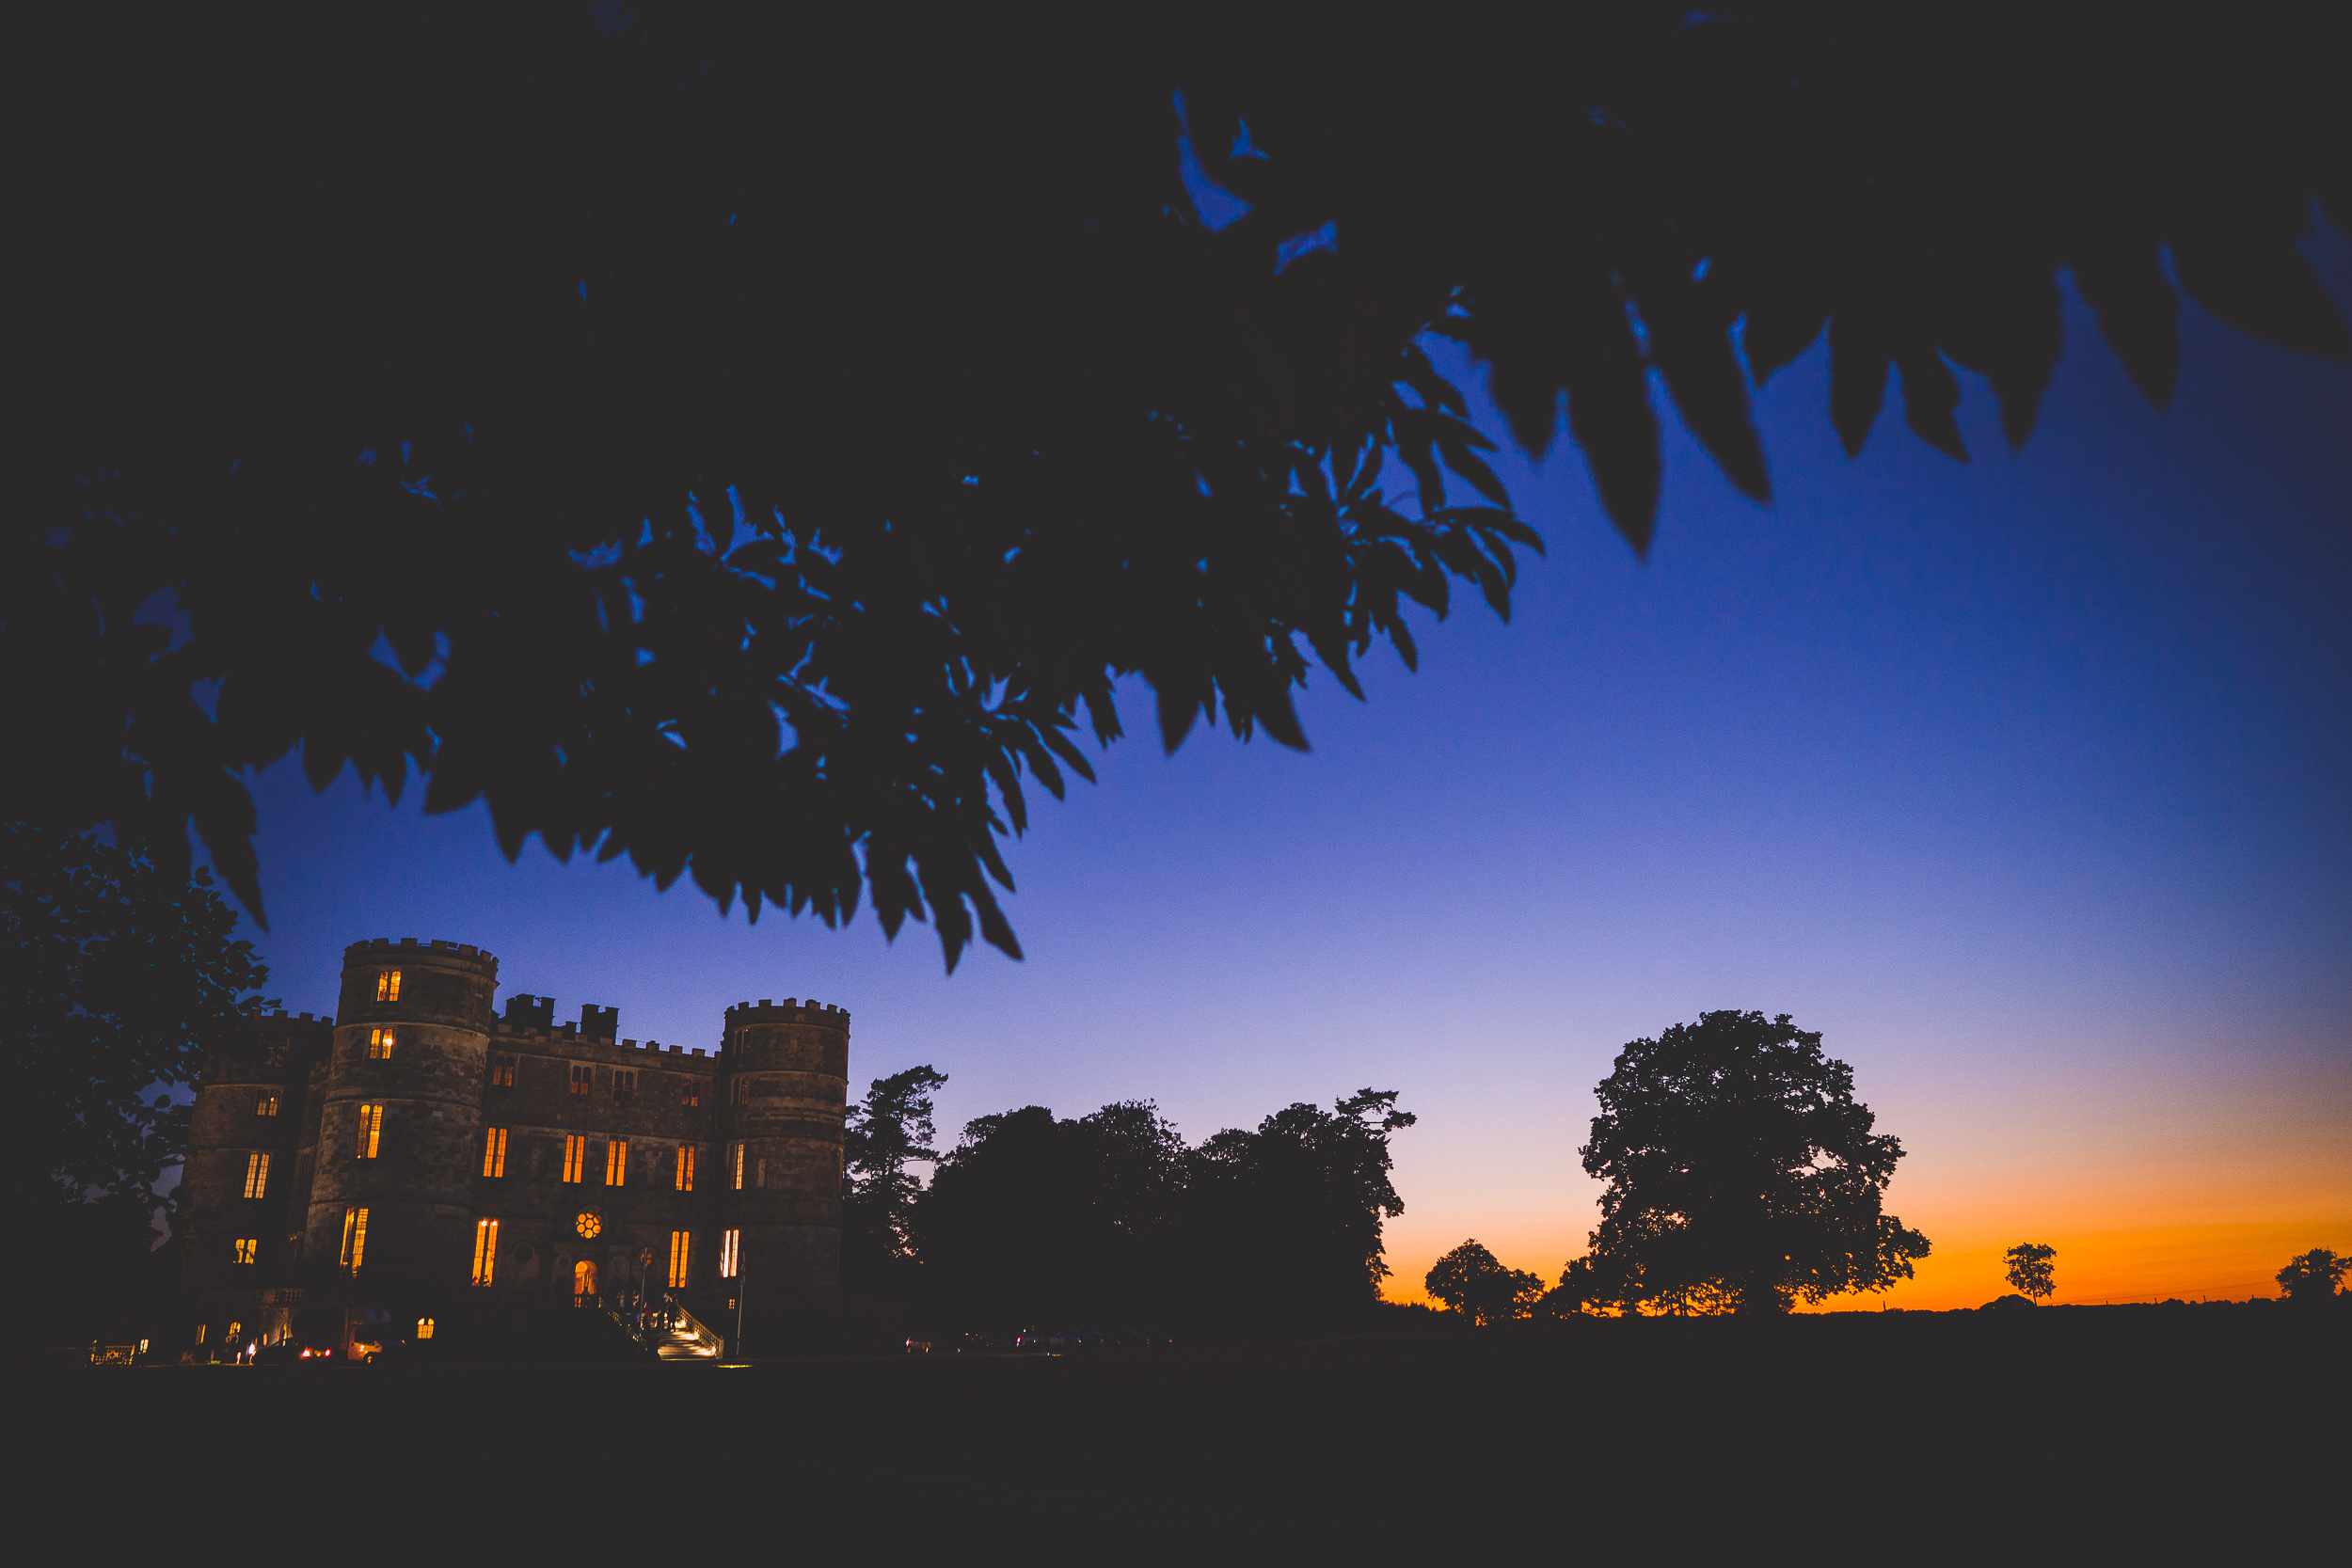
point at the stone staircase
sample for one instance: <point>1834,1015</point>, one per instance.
<point>671,1333</point>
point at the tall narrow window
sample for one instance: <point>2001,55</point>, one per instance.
<point>256,1175</point>
<point>691,1095</point>
<point>583,1080</point>
<point>677,1258</point>
<point>623,1083</point>
<point>234,1329</point>
<point>737,1160</point>
<point>501,1075</point>
<point>686,1167</point>
<point>762,1180</point>
<point>616,1161</point>
<point>355,1239</point>
<point>727,1247</point>
<point>739,1092</point>
<point>250,1250</point>
<point>486,1250</point>
<point>575,1156</point>
<point>424,1326</point>
<point>199,1332</point>
<point>493,1151</point>
<point>388,985</point>
<point>371,1132</point>
<point>266,1105</point>
<point>379,1045</point>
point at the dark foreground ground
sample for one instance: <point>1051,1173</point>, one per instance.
<point>1863,1436</point>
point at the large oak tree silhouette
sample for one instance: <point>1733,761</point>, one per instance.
<point>756,442</point>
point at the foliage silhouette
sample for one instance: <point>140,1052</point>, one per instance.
<point>884,1135</point>
<point>2313,1277</point>
<point>754,442</point>
<point>1471,1281</point>
<point>119,975</point>
<point>2030,1272</point>
<point>1742,1174</point>
<point>1030,1218</point>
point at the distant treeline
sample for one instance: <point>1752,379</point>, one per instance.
<point>1112,1219</point>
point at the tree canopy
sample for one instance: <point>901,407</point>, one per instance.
<point>754,442</point>
<point>1473,1281</point>
<point>1741,1175</point>
<point>882,1137</point>
<point>2312,1276</point>
<point>119,975</point>
<point>2030,1270</point>
<point>1112,1216</point>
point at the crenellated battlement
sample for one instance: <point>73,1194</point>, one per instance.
<point>787,1011</point>
<point>391,950</point>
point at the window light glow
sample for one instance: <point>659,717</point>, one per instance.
<point>249,1250</point>
<point>424,1327</point>
<point>678,1247</point>
<point>493,1151</point>
<point>388,985</point>
<point>266,1105</point>
<point>615,1162</point>
<point>737,1159</point>
<point>583,1080</point>
<point>575,1156</point>
<point>256,1175</point>
<point>590,1225</point>
<point>486,1257</point>
<point>379,1045</point>
<point>728,1247</point>
<point>355,1239</point>
<point>371,1132</point>
<point>686,1167</point>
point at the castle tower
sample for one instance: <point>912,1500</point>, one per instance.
<point>241,1221</point>
<point>401,1119</point>
<point>784,1082</point>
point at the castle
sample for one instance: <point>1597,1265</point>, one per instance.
<point>419,1160</point>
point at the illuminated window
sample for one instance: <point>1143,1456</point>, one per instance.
<point>691,1095</point>
<point>379,1045</point>
<point>234,1329</point>
<point>737,1160</point>
<point>371,1132</point>
<point>388,985</point>
<point>624,1084</point>
<point>355,1239</point>
<point>575,1156</point>
<point>590,1225</point>
<point>424,1327</point>
<point>727,1247</point>
<point>266,1105</point>
<point>686,1167</point>
<point>250,1250</point>
<point>583,1080</point>
<point>501,1075</point>
<point>256,1175</point>
<point>493,1151</point>
<point>616,1161</point>
<point>199,1332</point>
<point>677,1258</point>
<point>485,1252</point>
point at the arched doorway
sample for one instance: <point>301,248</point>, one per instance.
<point>583,1278</point>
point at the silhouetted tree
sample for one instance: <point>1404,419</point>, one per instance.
<point>1742,1174</point>
<point>1285,1221</point>
<point>884,1135</point>
<point>2311,1278</point>
<point>1029,1217</point>
<point>749,440</point>
<point>1471,1281</point>
<point>2030,1273</point>
<point>117,975</point>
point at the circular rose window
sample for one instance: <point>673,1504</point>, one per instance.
<point>589,1222</point>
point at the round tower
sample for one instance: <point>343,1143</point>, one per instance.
<point>398,1137</point>
<point>785,1087</point>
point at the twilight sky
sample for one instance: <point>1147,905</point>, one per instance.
<point>2025,782</point>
